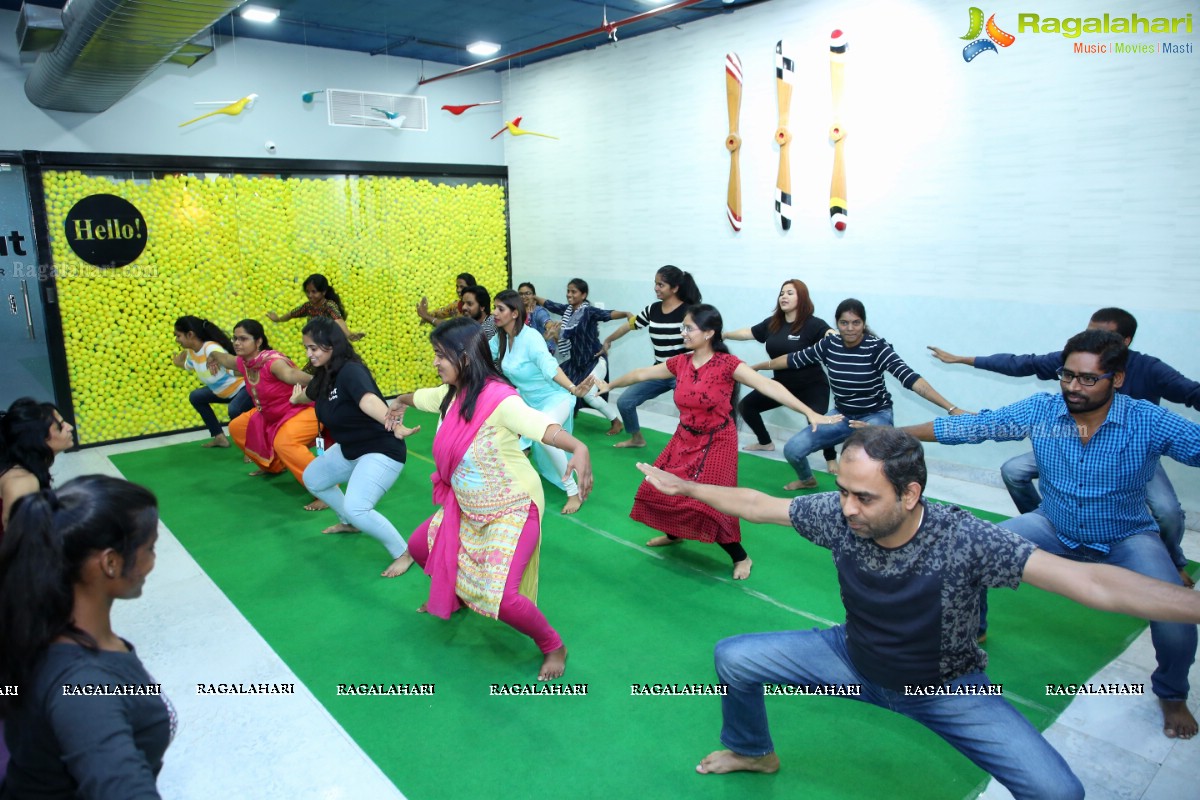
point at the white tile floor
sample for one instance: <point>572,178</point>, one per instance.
<point>284,747</point>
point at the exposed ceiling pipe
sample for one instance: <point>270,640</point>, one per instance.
<point>108,47</point>
<point>608,28</point>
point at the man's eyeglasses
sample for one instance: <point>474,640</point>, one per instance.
<point>1066,376</point>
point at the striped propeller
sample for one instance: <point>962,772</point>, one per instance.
<point>785,76</point>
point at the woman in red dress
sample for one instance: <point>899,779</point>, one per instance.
<point>704,447</point>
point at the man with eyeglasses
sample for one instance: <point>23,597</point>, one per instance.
<point>1146,378</point>
<point>1096,450</point>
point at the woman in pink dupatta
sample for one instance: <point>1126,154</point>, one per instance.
<point>275,434</point>
<point>481,547</point>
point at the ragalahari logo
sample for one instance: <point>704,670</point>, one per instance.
<point>994,37</point>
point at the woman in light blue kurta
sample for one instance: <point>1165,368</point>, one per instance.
<point>522,356</point>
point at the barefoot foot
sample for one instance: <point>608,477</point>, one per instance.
<point>341,527</point>
<point>741,570</point>
<point>398,568</point>
<point>723,761</point>
<point>246,460</point>
<point>831,467</point>
<point>217,441</point>
<point>573,504</point>
<point>637,440</point>
<point>554,664</point>
<point>662,541</point>
<point>316,505</point>
<point>256,472</point>
<point>615,428</point>
<point>423,609</point>
<point>1178,722</point>
<point>768,447</point>
<point>811,483</point>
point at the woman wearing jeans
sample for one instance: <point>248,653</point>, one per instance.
<point>367,458</point>
<point>675,290</point>
<point>199,337</point>
<point>855,361</point>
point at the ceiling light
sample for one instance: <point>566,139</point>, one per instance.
<point>483,48</point>
<point>259,13</point>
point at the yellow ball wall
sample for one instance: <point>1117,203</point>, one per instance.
<point>231,247</point>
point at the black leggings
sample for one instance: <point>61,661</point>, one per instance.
<point>734,549</point>
<point>813,393</point>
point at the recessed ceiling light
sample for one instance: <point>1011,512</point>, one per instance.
<point>259,13</point>
<point>483,48</point>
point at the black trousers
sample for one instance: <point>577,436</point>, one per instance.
<point>813,393</point>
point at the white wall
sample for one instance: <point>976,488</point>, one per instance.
<point>993,205</point>
<point>146,120</point>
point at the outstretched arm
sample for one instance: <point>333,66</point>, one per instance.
<point>775,390</point>
<point>950,358</point>
<point>1110,588</point>
<point>658,372</point>
<point>923,388</point>
<point>216,360</point>
<point>740,335</point>
<point>750,505</point>
<point>288,374</point>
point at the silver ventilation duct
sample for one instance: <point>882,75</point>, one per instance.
<point>108,47</point>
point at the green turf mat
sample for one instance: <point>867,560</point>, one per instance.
<point>628,616</point>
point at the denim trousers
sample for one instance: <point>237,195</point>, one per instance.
<point>1174,642</point>
<point>984,728</point>
<point>203,398</point>
<point>809,441</point>
<point>637,394</point>
<point>367,478</point>
<point>1019,471</point>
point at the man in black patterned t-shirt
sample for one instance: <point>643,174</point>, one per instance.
<point>910,574</point>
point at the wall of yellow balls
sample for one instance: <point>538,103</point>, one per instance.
<point>231,246</point>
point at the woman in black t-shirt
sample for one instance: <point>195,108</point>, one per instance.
<point>367,458</point>
<point>792,327</point>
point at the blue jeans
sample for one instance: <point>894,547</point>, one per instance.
<point>367,479</point>
<point>1019,471</point>
<point>809,441</point>
<point>1174,642</point>
<point>637,394</point>
<point>203,398</point>
<point>984,728</point>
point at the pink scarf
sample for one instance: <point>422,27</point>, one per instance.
<point>449,447</point>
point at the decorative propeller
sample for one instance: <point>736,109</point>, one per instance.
<point>232,109</point>
<point>457,110</point>
<point>733,142</point>
<point>513,127</point>
<point>785,76</point>
<point>838,210</point>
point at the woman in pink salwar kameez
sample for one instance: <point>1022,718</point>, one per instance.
<point>481,547</point>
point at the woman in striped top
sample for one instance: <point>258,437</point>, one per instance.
<point>676,291</point>
<point>197,338</point>
<point>855,361</point>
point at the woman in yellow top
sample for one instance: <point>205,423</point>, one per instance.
<point>482,544</point>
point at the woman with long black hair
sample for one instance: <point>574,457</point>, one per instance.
<point>366,458</point>
<point>31,435</point>
<point>67,556</point>
<point>197,338</point>
<point>323,301</point>
<point>481,546</point>
<point>704,447</point>
<point>676,290</point>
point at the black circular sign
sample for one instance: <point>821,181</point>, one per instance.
<point>106,231</point>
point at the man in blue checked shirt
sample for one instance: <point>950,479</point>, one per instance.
<point>1146,378</point>
<point>1096,449</point>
